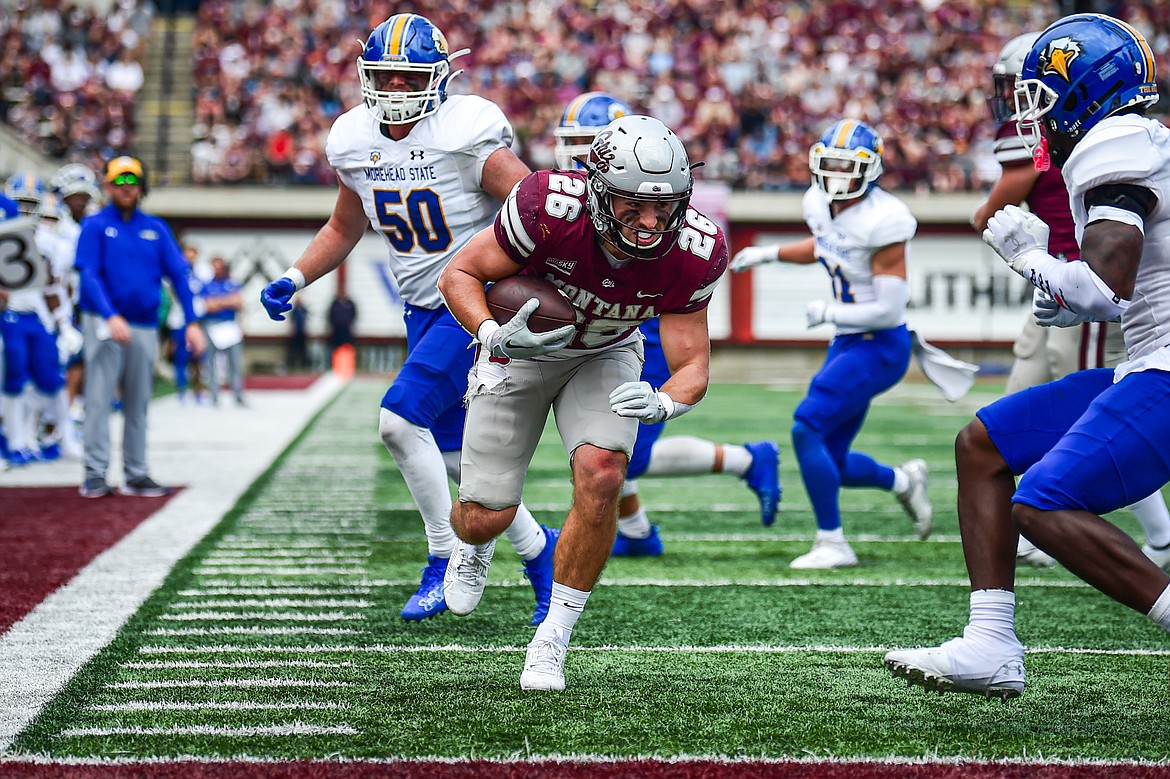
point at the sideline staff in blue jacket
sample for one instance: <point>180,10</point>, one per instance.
<point>122,256</point>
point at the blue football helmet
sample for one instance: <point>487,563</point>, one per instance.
<point>584,118</point>
<point>408,45</point>
<point>27,190</point>
<point>1082,69</point>
<point>847,160</point>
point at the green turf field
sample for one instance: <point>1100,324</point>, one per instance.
<point>279,636</point>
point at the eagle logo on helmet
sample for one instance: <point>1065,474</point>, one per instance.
<point>440,41</point>
<point>1059,56</point>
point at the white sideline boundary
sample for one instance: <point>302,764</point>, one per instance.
<point>218,453</point>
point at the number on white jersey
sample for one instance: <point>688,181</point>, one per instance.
<point>21,264</point>
<point>427,225</point>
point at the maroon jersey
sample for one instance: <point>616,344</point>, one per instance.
<point>544,226</point>
<point>1048,198</point>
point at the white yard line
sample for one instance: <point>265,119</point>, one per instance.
<point>685,649</point>
<point>187,684</point>
<point>293,729</point>
<point>254,631</point>
<point>264,616</point>
<point>217,706</point>
<point>220,454</point>
<point>165,665</point>
<point>274,590</point>
<point>275,603</point>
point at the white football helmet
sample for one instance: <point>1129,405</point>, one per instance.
<point>638,158</point>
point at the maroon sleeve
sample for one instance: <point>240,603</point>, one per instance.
<point>517,221</point>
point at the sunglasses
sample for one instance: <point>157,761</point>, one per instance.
<point>126,179</point>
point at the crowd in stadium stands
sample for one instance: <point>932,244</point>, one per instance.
<point>69,74</point>
<point>747,85</point>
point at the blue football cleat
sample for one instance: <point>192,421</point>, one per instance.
<point>539,572</point>
<point>764,478</point>
<point>428,601</point>
<point>50,452</point>
<point>19,457</point>
<point>650,546</point>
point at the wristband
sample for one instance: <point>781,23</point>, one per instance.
<point>296,277</point>
<point>486,328</point>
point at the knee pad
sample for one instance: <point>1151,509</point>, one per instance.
<point>396,432</point>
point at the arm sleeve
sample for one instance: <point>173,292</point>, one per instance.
<point>93,294</point>
<point>892,293</point>
<point>1075,286</point>
<point>517,220</point>
<point>492,131</point>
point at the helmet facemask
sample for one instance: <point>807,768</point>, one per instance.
<point>403,107</point>
<point>613,225</point>
<point>843,174</point>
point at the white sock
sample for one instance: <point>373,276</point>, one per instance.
<point>421,463</point>
<point>681,455</point>
<point>837,535</point>
<point>16,422</point>
<point>736,459</point>
<point>636,525</point>
<point>993,620</point>
<point>564,610</point>
<point>1160,613</point>
<point>1152,515</point>
<point>526,535</point>
<point>901,481</point>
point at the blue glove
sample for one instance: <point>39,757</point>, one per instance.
<point>276,296</point>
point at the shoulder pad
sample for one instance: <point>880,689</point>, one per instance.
<point>1123,149</point>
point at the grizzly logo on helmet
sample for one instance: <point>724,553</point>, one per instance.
<point>602,152</point>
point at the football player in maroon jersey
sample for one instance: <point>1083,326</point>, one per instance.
<point>622,242</point>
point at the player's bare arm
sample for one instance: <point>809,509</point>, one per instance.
<point>1114,251</point>
<point>502,171</point>
<point>687,346</point>
<point>890,261</point>
<point>462,281</point>
<point>336,239</point>
<point>1014,185</point>
<point>802,252</point>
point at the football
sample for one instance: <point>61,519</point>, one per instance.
<point>506,296</point>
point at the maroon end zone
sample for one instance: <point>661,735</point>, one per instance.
<point>48,534</point>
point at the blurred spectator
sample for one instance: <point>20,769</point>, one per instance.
<point>755,82</point>
<point>124,75</point>
<point>225,339</point>
<point>298,337</point>
<point>342,315</point>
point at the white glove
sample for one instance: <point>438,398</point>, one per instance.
<point>751,256</point>
<point>816,313</point>
<point>638,399</point>
<point>1049,313</point>
<point>69,341</point>
<point>514,339</point>
<point>1014,234</point>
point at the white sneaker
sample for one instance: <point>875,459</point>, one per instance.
<point>466,576</point>
<point>826,554</point>
<point>1161,557</point>
<point>544,662</point>
<point>1028,553</point>
<point>934,669</point>
<point>915,500</point>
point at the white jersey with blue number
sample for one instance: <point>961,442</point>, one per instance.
<point>845,244</point>
<point>1131,150</point>
<point>423,193</point>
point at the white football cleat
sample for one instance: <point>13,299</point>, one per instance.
<point>934,669</point>
<point>544,662</point>
<point>1161,557</point>
<point>915,500</point>
<point>466,576</point>
<point>826,554</point>
<point>1028,553</point>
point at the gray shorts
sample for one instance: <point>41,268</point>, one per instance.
<point>508,403</point>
